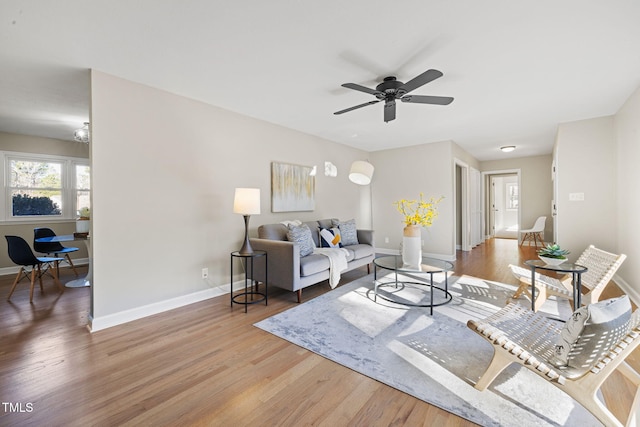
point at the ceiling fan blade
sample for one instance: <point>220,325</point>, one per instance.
<point>346,110</point>
<point>420,80</point>
<point>361,88</point>
<point>389,110</point>
<point>421,99</point>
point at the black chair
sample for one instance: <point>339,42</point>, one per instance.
<point>21,254</point>
<point>54,248</point>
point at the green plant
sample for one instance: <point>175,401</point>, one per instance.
<point>84,213</point>
<point>553,251</point>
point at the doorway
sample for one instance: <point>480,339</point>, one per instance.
<point>468,211</point>
<point>502,199</point>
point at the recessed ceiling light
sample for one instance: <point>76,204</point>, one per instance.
<point>508,148</point>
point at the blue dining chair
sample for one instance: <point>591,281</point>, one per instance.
<point>52,248</point>
<point>30,266</point>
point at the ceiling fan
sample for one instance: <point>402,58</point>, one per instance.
<point>391,89</point>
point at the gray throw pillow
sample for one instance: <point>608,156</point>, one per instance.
<point>348,231</point>
<point>302,236</point>
<point>590,333</point>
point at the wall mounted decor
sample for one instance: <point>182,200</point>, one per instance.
<point>292,188</point>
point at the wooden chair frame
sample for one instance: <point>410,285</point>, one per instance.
<point>519,335</point>
<point>36,272</point>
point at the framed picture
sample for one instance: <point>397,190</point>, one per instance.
<point>292,188</point>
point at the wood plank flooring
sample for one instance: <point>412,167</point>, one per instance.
<point>204,364</point>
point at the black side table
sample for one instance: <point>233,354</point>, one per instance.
<point>576,271</point>
<point>250,295</point>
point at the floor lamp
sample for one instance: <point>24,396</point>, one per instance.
<point>361,173</point>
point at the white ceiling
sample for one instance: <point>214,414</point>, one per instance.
<point>515,68</point>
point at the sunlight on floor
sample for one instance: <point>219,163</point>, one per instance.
<point>376,321</point>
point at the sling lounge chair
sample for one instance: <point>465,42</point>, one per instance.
<point>519,335</point>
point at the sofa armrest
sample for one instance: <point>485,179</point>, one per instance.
<point>283,261</point>
<point>365,237</point>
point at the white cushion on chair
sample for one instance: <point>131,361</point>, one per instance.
<point>590,333</point>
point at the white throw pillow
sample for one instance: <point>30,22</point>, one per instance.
<point>590,333</point>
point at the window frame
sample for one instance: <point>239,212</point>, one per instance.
<point>68,190</point>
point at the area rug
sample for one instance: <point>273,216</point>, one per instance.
<point>434,358</point>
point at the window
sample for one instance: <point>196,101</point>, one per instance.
<point>49,187</point>
<point>512,196</point>
<point>82,187</point>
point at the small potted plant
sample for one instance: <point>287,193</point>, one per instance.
<point>82,224</point>
<point>553,254</point>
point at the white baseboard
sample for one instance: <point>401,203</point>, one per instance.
<point>110,320</point>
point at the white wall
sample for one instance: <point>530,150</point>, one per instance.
<point>586,164</point>
<point>402,174</point>
<point>627,134</point>
<point>164,171</point>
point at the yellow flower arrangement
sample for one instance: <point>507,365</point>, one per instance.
<point>418,212</point>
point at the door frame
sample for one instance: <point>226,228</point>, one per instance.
<point>486,211</point>
<point>465,232</point>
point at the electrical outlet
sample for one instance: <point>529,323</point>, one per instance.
<point>386,240</point>
<point>205,273</point>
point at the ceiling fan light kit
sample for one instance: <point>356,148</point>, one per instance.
<point>391,89</point>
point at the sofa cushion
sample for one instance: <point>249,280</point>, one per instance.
<point>301,235</point>
<point>273,232</point>
<point>351,255</point>
<point>590,333</point>
<point>312,264</point>
<point>360,251</point>
<point>348,231</point>
<point>326,223</point>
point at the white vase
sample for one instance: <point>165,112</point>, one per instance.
<point>412,247</point>
<point>552,261</point>
<point>82,226</point>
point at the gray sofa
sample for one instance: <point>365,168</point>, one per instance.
<point>288,270</point>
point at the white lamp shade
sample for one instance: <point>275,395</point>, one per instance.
<point>361,172</point>
<point>247,201</point>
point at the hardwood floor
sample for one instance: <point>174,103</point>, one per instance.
<point>204,364</point>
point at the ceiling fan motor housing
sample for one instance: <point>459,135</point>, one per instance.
<point>389,88</point>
